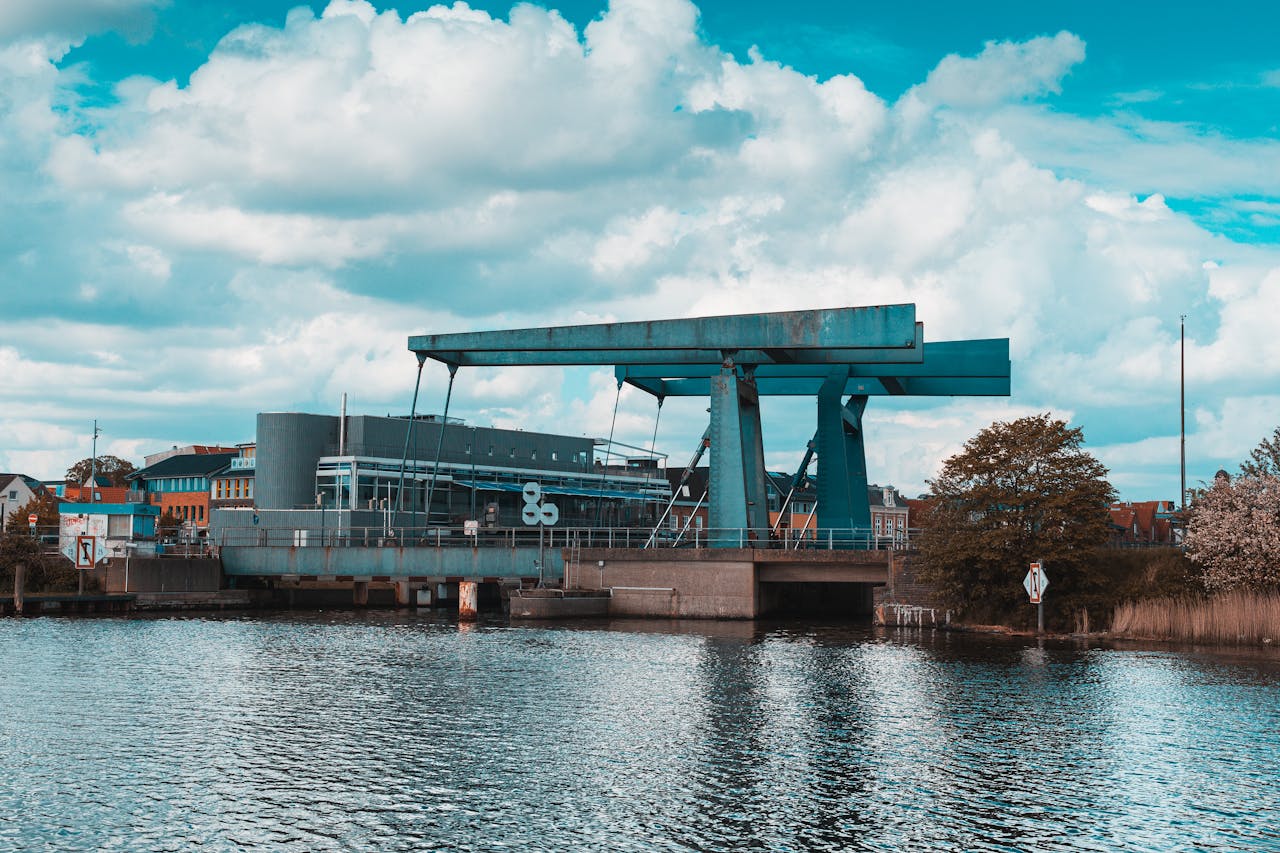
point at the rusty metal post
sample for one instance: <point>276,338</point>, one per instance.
<point>360,593</point>
<point>467,598</point>
<point>19,581</point>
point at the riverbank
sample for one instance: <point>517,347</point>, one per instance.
<point>1234,618</point>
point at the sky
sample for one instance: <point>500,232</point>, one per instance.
<point>212,209</point>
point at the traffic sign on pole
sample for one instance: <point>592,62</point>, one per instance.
<point>1035,582</point>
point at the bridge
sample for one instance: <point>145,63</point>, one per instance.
<point>841,358</point>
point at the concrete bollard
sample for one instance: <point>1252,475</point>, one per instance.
<point>468,594</point>
<point>404,596</point>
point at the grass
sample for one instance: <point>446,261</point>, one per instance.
<point>1239,618</point>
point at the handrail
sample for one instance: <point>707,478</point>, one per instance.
<point>437,536</point>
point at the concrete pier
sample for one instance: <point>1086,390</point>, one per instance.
<point>468,600</point>
<point>731,583</point>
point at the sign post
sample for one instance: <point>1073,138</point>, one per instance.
<point>1035,583</point>
<point>542,514</point>
<point>83,540</point>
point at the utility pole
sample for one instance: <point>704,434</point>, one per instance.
<point>1182,399</point>
<point>93,466</point>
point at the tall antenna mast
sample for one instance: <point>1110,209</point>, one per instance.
<point>1182,399</point>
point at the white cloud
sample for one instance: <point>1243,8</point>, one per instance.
<point>269,233</point>
<point>75,19</point>
<point>1004,71</point>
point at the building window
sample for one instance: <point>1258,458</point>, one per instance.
<point>555,456</point>
<point>491,450</point>
<point>200,511</point>
<point>513,453</point>
<point>533,454</point>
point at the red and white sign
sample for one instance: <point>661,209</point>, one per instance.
<point>85,551</point>
<point>1035,583</point>
<point>75,529</point>
<point>32,519</point>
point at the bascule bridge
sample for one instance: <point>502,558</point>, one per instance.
<point>840,357</point>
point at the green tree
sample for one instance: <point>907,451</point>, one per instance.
<point>46,572</point>
<point>113,468</point>
<point>1019,492</point>
<point>1264,460</point>
<point>44,505</point>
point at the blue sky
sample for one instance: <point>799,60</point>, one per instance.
<point>221,208</point>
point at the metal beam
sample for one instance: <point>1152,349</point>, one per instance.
<point>982,357</point>
<point>832,335</point>
<point>977,386</point>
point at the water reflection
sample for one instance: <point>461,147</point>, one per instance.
<point>331,731</point>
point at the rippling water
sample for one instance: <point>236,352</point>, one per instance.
<point>342,731</point>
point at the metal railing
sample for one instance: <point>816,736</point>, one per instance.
<point>824,539</point>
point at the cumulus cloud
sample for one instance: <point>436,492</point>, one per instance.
<point>1004,71</point>
<point>72,20</point>
<point>267,234</point>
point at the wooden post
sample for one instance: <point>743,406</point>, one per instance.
<point>467,597</point>
<point>19,581</point>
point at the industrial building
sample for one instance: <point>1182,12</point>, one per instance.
<point>355,473</point>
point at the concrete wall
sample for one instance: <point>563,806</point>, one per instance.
<point>653,583</point>
<point>731,583</point>
<point>160,574</point>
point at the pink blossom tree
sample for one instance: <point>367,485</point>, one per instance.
<point>1234,533</point>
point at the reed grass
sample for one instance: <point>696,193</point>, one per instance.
<point>1234,618</point>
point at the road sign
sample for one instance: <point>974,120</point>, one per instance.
<point>1035,582</point>
<point>534,512</point>
<point>90,550</point>
<point>32,519</point>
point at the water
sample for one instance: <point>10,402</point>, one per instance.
<point>377,731</point>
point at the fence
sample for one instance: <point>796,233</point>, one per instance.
<point>834,539</point>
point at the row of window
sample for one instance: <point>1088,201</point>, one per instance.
<point>230,488</point>
<point>178,484</point>
<point>885,524</point>
<point>189,513</point>
<point>581,457</point>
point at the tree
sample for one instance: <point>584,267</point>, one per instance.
<point>1264,460</point>
<point>44,505</point>
<point>113,468</point>
<point>1019,492</point>
<point>168,524</point>
<point>1234,534</point>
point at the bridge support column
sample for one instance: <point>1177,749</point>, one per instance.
<point>360,593</point>
<point>468,595</point>
<point>739,500</point>
<point>404,595</point>
<point>842,459</point>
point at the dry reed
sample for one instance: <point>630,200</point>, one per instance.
<point>1242,618</point>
